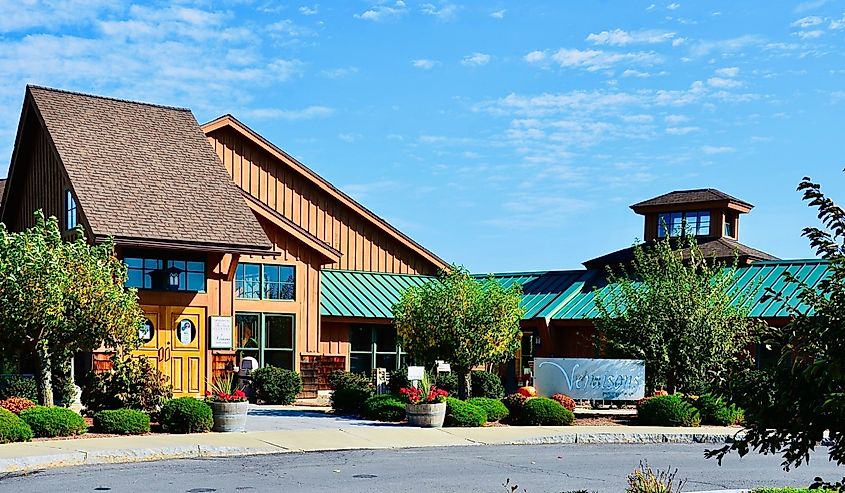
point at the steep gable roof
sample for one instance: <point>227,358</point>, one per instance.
<point>233,123</point>
<point>699,195</point>
<point>145,173</point>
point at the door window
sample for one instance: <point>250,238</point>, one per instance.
<point>374,346</point>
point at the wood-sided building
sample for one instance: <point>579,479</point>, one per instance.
<point>216,225</point>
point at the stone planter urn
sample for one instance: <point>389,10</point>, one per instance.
<point>426,415</point>
<point>229,416</point>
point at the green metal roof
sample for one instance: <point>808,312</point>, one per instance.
<point>347,293</point>
<point>555,295</point>
<point>760,275</point>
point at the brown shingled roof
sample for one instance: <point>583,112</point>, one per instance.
<point>146,172</point>
<point>720,248</point>
<point>690,197</point>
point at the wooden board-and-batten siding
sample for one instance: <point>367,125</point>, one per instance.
<point>280,184</point>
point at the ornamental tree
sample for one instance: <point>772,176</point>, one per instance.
<point>675,309</point>
<point>59,298</point>
<point>459,319</point>
<point>790,403</point>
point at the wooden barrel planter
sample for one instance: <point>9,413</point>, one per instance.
<point>426,415</point>
<point>229,416</point>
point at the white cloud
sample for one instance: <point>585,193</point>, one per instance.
<point>618,37</point>
<point>675,119</point>
<point>307,113</point>
<point>727,72</point>
<point>710,150</point>
<point>476,60</point>
<point>809,21</point>
<point>29,15</point>
<point>338,73</point>
<point>681,130</point>
<point>593,60</point>
<point>383,11</point>
<point>673,6</point>
<point>705,47</point>
<point>809,5</point>
<point>816,33</point>
<point>424,63</point>
<point>534,57</point>
<point>651,7</point>
<point>723,83</point>
<point>498,14</point>
<point>642,118</point>
<point>306,10</point>
<point>446,12</point>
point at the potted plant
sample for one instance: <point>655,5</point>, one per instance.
<point>228,405</point>
<point>426,405</point>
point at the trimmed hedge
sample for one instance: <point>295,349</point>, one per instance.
<point>18,386</point>
<point>514,403</point>
<point>447,382</point>
<point>13,428</point>
<point>54,421</point>
<point>349,392</point>
<point>667,410</point>
<point>542,411</point>
<point>463,414</point>
<point>122,422</point>
<point>493,408</point>
<point>384,407</point>
<point>486,384</point>
<point>275,385</point>
<point>186,415</point>
<point>714,411</point>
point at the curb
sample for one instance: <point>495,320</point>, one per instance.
<point>122,456</point>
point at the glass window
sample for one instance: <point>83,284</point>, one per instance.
<point>692,223</point>
<point>248,281</point>
<point>268,338</point>
<point>264,281</point>
<point>374,346</point>
<point>165,274</point>
<point>70,209</point>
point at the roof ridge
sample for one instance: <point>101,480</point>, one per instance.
<point>107,98</point>
<point>376,273</point>
<point>530,272</point>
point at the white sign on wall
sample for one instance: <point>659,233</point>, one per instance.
<point>221,332</point>
<point>590,379</point>
<point>415,373</point>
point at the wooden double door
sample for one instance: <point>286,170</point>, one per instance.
<point>174,341</point>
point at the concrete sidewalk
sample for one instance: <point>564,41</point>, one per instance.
<point>59,453</point>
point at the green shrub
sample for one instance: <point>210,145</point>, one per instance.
<point>122,422</point>
<point>493,408</point>
<point>462,414</point>
<point>349,392</point>
<point>384,407</point>
<point>714,411</point>
<point>132,383</point>
<point>54,421</point>
<point>514,403</point>
<point>18,386</point>
<point>276,385</point>
<point>13,428</point>
<point>486,384</point>
<point>542,411</point>
<point>668,410</point>
<point>448,382</point>
<point>398,381</point>
<point>186,415</point>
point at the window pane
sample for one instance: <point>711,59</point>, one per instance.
<point>386,361</point>
<point>248,334</point>
<point>196,267</point>
<point>271,273</point>
<point>152,263</point>
<point>287,274</point>
<point>135,278</point>
<point>249,352</point>
<point>196,281</point>
<point>385,339</point>
<point>282,359</point>
<point>133,262</point>
<point>360,363</point>
<point>279,332</point>
<point>361,338</point>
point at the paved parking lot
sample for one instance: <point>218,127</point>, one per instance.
<point>272,418</point>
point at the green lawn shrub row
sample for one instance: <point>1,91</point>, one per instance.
<point>53,421</point>
<point>122,422</point>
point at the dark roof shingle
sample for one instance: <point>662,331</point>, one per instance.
<point>690,197</point>
<point>143,171</point>
<point>720,248</point>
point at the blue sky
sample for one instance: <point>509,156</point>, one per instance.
<point>501,135</point>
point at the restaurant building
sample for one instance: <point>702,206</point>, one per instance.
<point>237,249</point>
